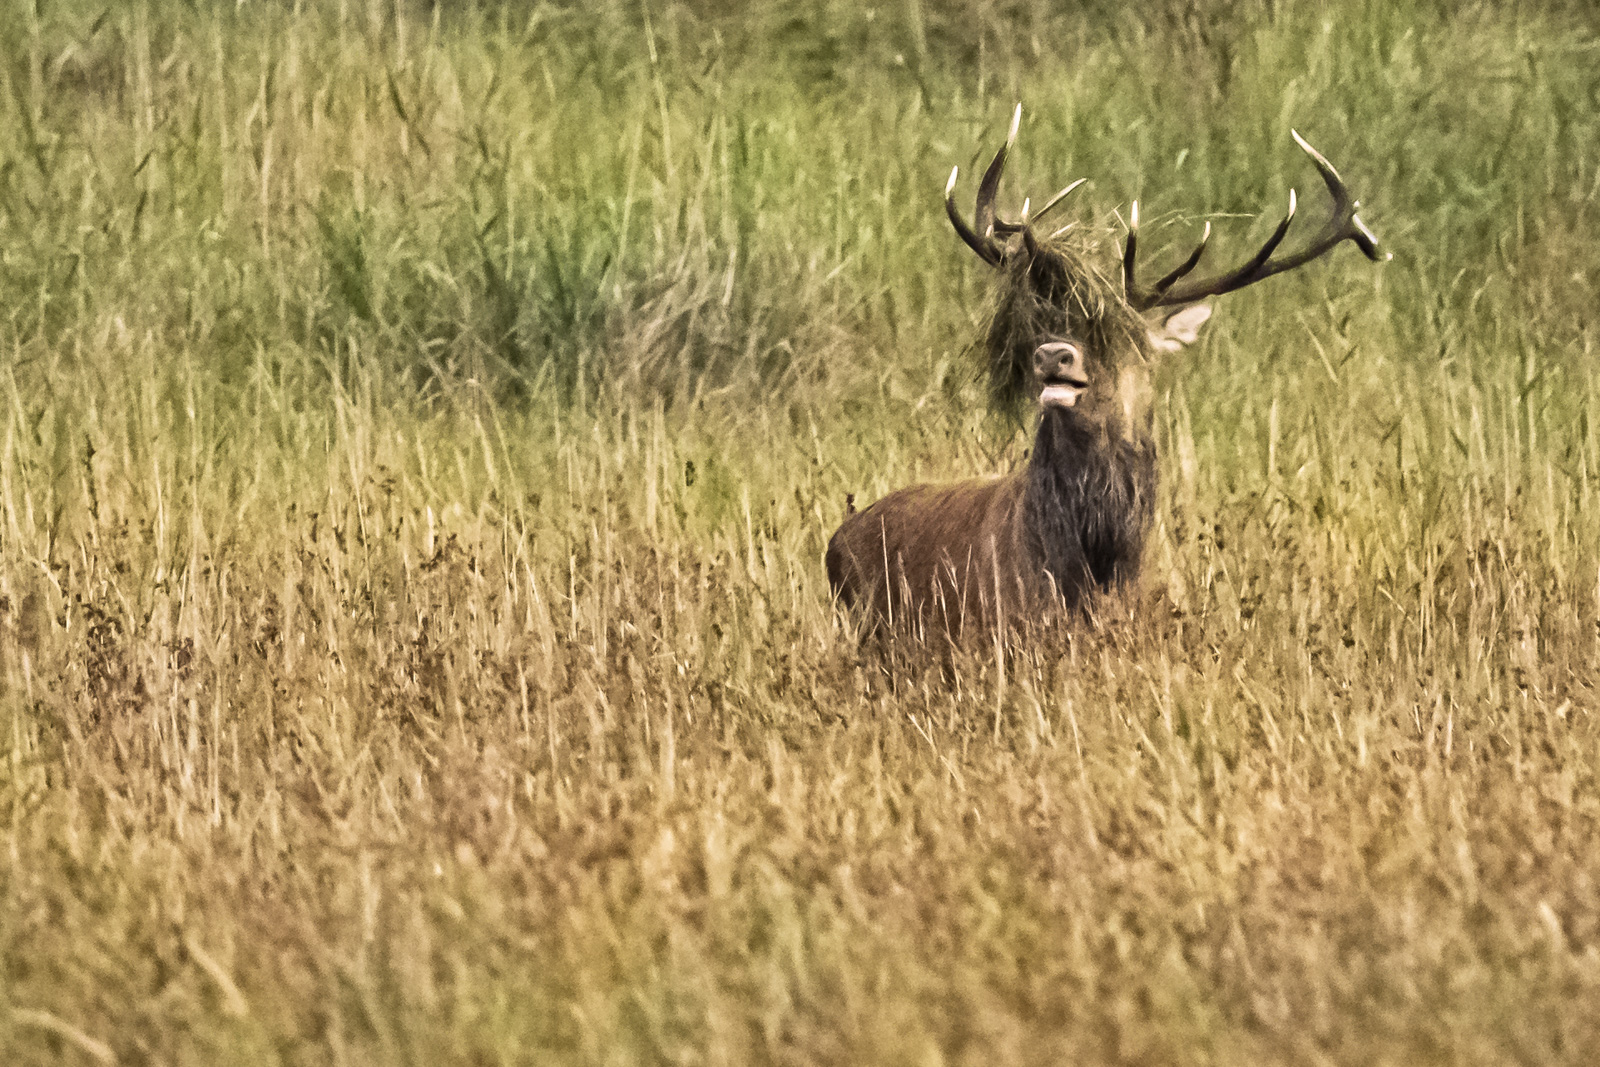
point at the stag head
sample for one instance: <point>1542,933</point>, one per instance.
<point>1070,337</point>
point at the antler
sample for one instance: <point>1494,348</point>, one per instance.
<point>1343,225</point>
<point>980,235</point>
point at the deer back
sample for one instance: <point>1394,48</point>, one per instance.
<point>937,556</point>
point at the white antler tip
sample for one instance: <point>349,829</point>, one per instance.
<point>950,186</point>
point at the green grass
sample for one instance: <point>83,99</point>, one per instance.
<point>421,430</point>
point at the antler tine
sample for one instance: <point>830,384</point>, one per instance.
<point>1364,238</point>
<point>1050,204</point>
<point>1149,297</point>
<point>1253,270</point>
<point>983,216</point>
<point>1187,265</point>
<point>1343,225</point>
<point>1025,226</point>
<point>984,246</point>
<point>1129,253</point>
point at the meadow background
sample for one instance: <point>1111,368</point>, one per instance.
<point>420,427</point>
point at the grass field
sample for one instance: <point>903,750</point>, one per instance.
<point>422,427</point>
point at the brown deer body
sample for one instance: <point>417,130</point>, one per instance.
<point>1072,522</point>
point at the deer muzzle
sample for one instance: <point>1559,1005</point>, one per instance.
<point>1059,368</point>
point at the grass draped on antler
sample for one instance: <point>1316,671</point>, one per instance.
<point>1058,290</point>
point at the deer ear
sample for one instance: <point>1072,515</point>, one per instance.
<point>1180,328</point>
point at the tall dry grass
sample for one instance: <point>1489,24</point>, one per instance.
<point>422,427</point>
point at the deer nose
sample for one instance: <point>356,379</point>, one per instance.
<point>1060,360</point>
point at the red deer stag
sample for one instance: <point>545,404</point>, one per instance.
<point>1072,522</point>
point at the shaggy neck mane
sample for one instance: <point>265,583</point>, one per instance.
<point>1089,501</point>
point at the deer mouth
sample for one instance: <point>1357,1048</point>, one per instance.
<point>1062,392</point>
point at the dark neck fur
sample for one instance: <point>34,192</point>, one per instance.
<point>1090,498</point>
